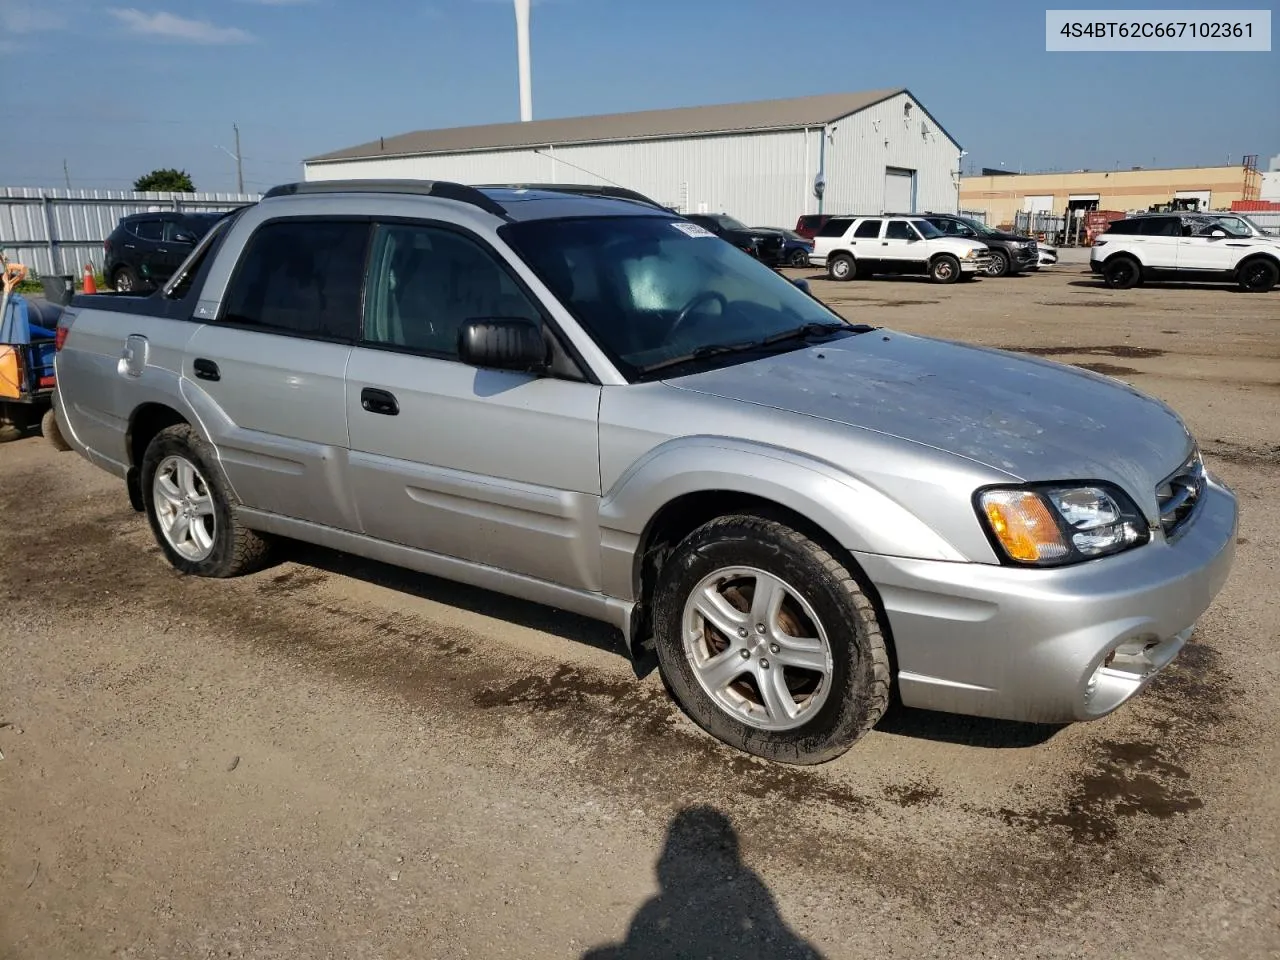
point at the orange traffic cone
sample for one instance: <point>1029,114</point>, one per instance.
<point>90,285</point>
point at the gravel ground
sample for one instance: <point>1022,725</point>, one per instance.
<point>334,758</point>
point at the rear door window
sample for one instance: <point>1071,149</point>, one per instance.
<point>301,277</point>
<point>867,230</point>
<point>1161,227</point>
<point>148,230</point>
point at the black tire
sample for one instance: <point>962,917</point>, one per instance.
<point>51,431</point>
<point>944,269</point>
<point>125,280</point>
<point>236,549</point>
<point>1121,273</point>
<point>841,267</point>
<point>858,692</point>
<point>13,421</point>
<point>999,265</point>
<point>799,258</point>
<point>1258,275</point>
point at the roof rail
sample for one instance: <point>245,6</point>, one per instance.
<point>580,189</point>
<point>443,189</point>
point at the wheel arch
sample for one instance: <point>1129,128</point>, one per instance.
<point>145,422</point>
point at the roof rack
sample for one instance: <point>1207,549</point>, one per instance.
<point>580,189</point>
<point>443,189</point>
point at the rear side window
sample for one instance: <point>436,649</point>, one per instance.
<point>1161,227</point>
<point>835,227</point>
<point>301,277</point>
<point>1124,227</point>
<point>147,229</point>
<point>868,230</point>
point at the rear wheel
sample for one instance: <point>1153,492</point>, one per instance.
<point>1121,273</point>
<point>191,510</point>
<point>799,258</point>
<point>52,432</point>
<point>124,280</point>
<point>768,643</point>
<point>14,421</point>
<point>944,269</point>
<point>840,268</point>
<point>1258,276</point>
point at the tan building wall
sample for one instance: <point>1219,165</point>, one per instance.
<point>1126,190</point>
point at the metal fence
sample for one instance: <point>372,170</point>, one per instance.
<point>59,231</point>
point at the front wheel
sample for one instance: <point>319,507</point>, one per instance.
<point>191,510</point>
<point>999,265</point>
<point>1259,276</point>
<point>768,642</point>
<point>944,269</point>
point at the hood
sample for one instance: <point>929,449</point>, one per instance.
<point>961,245</point>
<point>1001,235</point>
<point>1031,418</point>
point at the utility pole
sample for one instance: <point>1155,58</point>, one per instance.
<point>239,162</point>
<point>66,173</point>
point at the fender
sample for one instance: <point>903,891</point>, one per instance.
<point>858,516</point>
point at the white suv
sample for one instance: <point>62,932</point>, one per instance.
<point>863,246</point>
<point>1184,247</point>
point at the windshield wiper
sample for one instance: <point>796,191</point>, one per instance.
<point>807,331</point>
<point>702,353</point>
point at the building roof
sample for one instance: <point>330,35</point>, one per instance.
<point>790,114</point>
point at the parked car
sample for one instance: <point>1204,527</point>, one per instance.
<point>766,244</point>
<point>590,402</point>
<point>1047,255</point>
<point>808,225</point>
<point>795,248</point>
<point>1181,246</point>
<point>1010,252</point>
<point>145,248</point>
<point>865,246</point>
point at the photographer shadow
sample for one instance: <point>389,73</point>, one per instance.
<point>711,905</point>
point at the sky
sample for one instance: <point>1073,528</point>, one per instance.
<point>120,87</point>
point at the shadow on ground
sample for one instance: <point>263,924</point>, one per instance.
<point>970,731</point>
<point>711,905</point>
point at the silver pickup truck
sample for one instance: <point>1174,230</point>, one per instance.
<point>593,403</point>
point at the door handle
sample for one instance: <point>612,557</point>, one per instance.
<point>206,369</point>
<point>379,401</point>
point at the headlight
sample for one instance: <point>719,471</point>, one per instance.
<point>971,254</point>
<point>1050,525</point>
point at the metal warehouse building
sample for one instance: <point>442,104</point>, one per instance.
<point>872,152</point>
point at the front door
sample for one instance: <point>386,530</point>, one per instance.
<point>904,248</point>
<point>496,467</point>
<point>1205,252</point>
<point>268,377</point>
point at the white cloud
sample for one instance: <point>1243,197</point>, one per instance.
<point>172,27</point>
<point>21,16</point>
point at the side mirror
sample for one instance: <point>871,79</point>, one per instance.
<point>502,344</point>
<point>802,284</point>
<point>1216,233</point>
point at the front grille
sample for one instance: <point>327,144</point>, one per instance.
<point>1178,495</point>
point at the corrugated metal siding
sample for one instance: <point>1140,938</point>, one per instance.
<point>759,178</point>
<point>81,220</point>
<point>764,179</point>
<point>857,155</point>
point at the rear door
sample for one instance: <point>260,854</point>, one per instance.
<point>1158,242</point>
<point>267,378</point>
<point>145,241</point>
<point>495,467</point>
<point>865,244</point>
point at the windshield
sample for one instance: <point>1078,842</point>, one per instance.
<point>649,290</point>
<point>927,229</point>
<point>978,227</point>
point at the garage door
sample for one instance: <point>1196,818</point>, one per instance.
<point>898,193</point>
<point>1038,203</point>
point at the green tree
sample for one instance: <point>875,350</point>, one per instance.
<point>176,181</point>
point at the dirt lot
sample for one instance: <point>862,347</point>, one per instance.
<point>337,759</point>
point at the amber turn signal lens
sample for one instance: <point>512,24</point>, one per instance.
<point>1024,525</point>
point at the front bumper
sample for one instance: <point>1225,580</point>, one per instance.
<point>976,265</point>
<point>1033,645</point>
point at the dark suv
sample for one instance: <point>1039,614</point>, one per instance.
<point>764,243</point>
<point>145,248</point>
<point>1010,253</point>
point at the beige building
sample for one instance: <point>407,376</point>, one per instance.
<point>1003,195</point>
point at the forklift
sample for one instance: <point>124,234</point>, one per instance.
<point>28,338</point>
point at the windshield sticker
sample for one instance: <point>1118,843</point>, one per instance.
<point>692,229</point>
